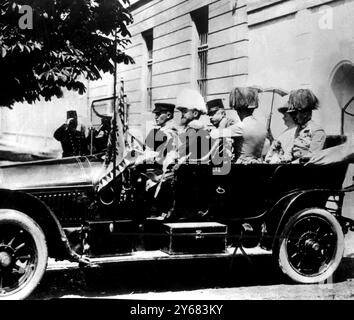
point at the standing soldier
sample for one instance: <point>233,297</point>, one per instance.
<point>72,137</point>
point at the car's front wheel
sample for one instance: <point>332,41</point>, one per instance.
<point>23,254</point>
<point>311,246</point>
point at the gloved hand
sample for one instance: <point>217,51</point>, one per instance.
<point>147,156</point>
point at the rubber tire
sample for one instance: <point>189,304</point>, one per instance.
<point>28,224</point>
<point>281,252</point>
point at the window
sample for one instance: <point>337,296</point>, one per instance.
<point>148,38</point>
<point>201,18</point>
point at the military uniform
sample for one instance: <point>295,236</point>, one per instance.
<point>223,127</point>
<point>194,141</point>
<point>100,136</point>
<point>309,139</point>
<point>162,138</point>
<point>73,142</point>
<point>249,146</point>
<point>250,133</point>
<point>309,136</point>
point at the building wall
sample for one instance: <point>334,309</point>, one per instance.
<point>174,61</point>
<point>289,44</point>
<point>295,44</point>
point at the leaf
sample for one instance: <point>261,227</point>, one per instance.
<point>72,40</point>
<point>3,52</point>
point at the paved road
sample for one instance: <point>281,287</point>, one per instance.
<point>191,280</point>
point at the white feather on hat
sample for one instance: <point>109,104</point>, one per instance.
<point>191,99</point>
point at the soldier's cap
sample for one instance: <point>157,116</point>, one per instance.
<point>214,105</point>
<point>163,107</point>
<point>71,114</point>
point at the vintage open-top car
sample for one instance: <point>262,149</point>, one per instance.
<point>59,209</point>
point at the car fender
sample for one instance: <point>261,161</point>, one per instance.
<point>288,205</point>
<point>57,241</point>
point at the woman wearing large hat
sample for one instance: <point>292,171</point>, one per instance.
<point>309,136</point>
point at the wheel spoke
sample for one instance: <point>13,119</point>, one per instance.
<point>19,247</point>
<point>11,241</point>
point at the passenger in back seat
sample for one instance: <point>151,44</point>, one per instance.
<point>281,148</point>
<point>250,133</point>
<point>309,136</point>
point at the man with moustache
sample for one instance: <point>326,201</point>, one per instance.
<point>162,138</point>
<point>193,144</point>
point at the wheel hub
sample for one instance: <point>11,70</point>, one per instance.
<point>312,244</point>
<point>5,259</point>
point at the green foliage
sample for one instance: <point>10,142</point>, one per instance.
<point>71,40</point>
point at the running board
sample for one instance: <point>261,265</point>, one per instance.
<point>158,255</point>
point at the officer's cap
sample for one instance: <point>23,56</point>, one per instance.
<point>71,114</point>
<point>214,105</point>
<point>163,107</point>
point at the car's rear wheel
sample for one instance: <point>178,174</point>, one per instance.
<point>23,254</point>
<point>311,246</point>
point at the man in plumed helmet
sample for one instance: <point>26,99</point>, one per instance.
<point>309,136</point>
<point>72,136</point>
<point>250,132</point>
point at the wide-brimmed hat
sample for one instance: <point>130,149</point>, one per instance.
<point>163,107</point>
<point>192,100</point>
<point>244,98</point>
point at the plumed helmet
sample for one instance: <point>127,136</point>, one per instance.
<point>243,98</point>
<point>302,100</point>
<point>191,99</point>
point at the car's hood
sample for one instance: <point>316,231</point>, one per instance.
<point>76,171</point>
